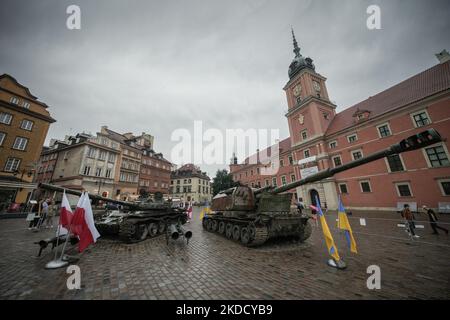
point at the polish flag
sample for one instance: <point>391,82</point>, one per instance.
<point>65,215</point>
<point>83,224</point>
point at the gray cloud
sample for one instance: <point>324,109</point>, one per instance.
<point>156,66</point>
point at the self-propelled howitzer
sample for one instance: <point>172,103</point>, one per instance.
<point>252,216</point>
<point>135,221</point>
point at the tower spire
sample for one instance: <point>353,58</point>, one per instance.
<point>296,48</point>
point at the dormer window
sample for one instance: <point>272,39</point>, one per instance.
<point>361,115</point>
<point>14,100</point>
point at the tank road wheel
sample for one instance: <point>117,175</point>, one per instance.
<point>161,227</point>
<point>127,231</point>
<point>221,227</point>
<point>229,230</point>
<point>251,231</point>
<point>236,232</point>
<point>141,232</point>
<point>152,229</point>
<point>245,236</point>
<point>204,223</point>
<point>209,225</point>
<point>305,231</point>
<point>214,225</point>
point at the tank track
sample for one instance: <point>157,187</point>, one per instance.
<point>136,231</point>
<point>248,233</point>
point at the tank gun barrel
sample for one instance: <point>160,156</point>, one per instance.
<point>51,187</point>
<point>413,142</point>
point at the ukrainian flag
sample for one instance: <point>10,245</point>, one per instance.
<point>205,211</point>
<point>332,249</point>
<point>344,224</point>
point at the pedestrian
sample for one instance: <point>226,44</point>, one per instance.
<point>409,220</point>
<point>300,205</point>
<point>50,214</point>
<point>433,220</point>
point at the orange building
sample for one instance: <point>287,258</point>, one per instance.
<point>24,123</point>
<point>320,138</point>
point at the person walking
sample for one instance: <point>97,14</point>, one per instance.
<point>433,220</point>
<point>50,214</point>
<point>300,205</point>
<point>409,220</point>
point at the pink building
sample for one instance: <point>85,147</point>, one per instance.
<point>327,139</point>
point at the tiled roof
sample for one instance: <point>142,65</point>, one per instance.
<point>418,87</point>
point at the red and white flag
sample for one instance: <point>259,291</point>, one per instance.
<point>83,224</point>
<point>65,215</point>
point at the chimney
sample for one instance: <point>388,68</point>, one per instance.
<point>443,56</point>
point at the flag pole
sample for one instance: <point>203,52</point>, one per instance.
<point>59,263</point>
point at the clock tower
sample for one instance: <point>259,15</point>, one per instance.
<point>309,115</point>
<point>310,110</point>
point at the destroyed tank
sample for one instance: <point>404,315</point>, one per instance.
<point>253,216</point>
<point>136,221</point>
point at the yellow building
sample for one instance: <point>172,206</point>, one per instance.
<point>191,184</point>
<point>24,123</point>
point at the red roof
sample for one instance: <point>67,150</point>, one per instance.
<point>418,87</point>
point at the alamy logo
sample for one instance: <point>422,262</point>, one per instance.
<point>73,21</point>
<point>374,280</point>
<point>374,20</point>
<point>74,280</point>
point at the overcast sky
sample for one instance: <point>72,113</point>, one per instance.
<point>156,66</point>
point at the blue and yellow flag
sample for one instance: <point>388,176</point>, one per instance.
<point>344,224</point>
<point>205,211</point>
<point>332,249</point>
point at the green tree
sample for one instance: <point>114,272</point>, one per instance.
<point>222,181</point>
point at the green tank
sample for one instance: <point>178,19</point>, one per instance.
<point>136,221</point>
<point>253,216</point>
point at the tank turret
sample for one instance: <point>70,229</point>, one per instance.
<point>252,216</point>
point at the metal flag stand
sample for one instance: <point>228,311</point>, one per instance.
<point>60,262</point>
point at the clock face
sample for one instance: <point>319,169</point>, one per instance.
<point>297,90</point>
<point>316,86</point>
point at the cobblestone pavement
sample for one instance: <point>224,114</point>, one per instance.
<point>211,267</point>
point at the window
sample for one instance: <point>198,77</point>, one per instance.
<point>283,180</point>
<point>98,172</point>
<point>357,154</point>
<point>306,153</point>
<point>2,137</point>
<point>292,177</point>
<point>267,182</point>
<point>26,105</point>
<point>274,181</point>
<point>26,125</point>
<point>281,163</point>
<point>108,173</point>
<point>384,130</point>
<point>304,134</point>
<point>365,186</point>
<point>395,163</point>
<point>352,138</point>
<point>333,144</point>
<point>445,187</point>
<point>14,100</point>
<point>5,118</point>
<point>343,188</point>
<point>12,164</point>
<point>102,155</point>
<point>87,170</point>
<point>291,160</point>
<point>20,143</point>
<point>421,119</point>
<point>91,152</point>
<point>404,189</point>
<point>337,161</point>
<point>437,156</point>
